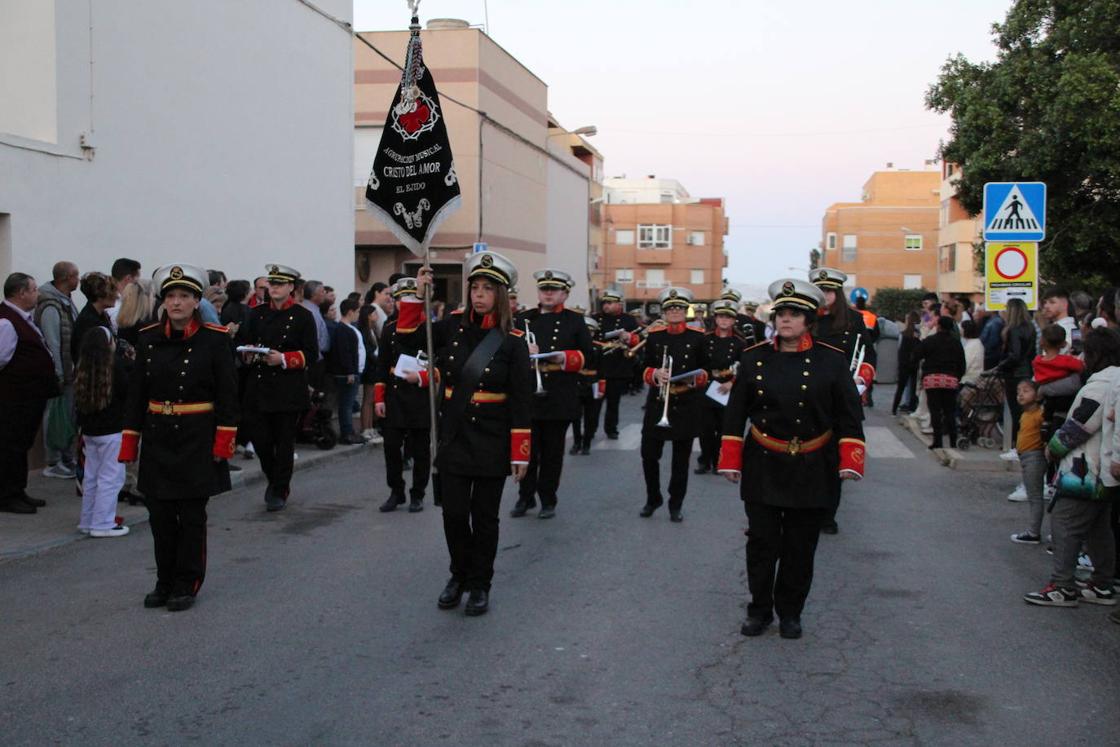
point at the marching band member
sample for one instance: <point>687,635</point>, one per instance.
<point>752,329</point>
<point>483,361</point>
<point>592,389</point>
<point>563,333</point>
<point>723,346</point>
<point>276,387</point>
<point>841,326</point>
<point>615,366</point>
<point>182,404</point>
<point>673,349</point>
<point>405,409</point>
<point>805,437</point>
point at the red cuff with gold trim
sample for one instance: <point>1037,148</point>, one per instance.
<point>730,454</point>
<point>853,452</point>
<point>423,372</point>
<point>379,393</point>
<point>602,385</point>
<point>224,439</point>
<point>647,377</point>
<point>410,315</point>
<point>130,446</point>
<point>573,361</point>
<point>520,444</point>
<point>701,380</point>
<point>866,372</point>
<point>294,360</point>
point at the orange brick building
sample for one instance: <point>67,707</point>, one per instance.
<point>656,236</point>
<point>890,238</point>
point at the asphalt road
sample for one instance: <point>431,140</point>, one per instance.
<point>318,625</point>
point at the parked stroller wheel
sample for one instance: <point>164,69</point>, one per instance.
<point>985,443</point>
<point>963,444</point>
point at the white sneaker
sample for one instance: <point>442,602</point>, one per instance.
<point>375,438</point>
<point>1011,455</point>
<point>117,531</point>
<point>1019,494</point>
<point>1049,491</point>
<point>1084,563</point>
<point>60,472</point>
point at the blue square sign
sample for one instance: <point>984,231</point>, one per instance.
<point>1014,211</point>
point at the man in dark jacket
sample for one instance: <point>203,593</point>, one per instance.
<point>27,381</point>
<point>345,360</point>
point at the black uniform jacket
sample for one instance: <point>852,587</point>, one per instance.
<point>723,353</point>
<point>688,348</point>
<point>406,404</point>
<point>562,330</point>
<point>290,330</point>
<point>615,364</point>
<point>495,429</point>
<point>753,330</point>
<point>189,370</point>
<point>801,395</point>
<point>844,338</point>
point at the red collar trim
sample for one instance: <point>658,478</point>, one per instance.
<point>724,332</point>
<point>803,344</point>
<point>284,306</point>
<point>488,322</point>
<point>677,328</point>
<point>192,326</point>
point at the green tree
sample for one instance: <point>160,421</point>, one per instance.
<point>1048,109</point>
<point>895,303</point>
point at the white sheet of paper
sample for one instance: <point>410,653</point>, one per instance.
<point>556,355</point>
<point>407,364</point>
<point>253,349</point>
<point>716,394</point>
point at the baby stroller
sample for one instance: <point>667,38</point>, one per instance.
<point>315,424</point>
<point>980,408</point>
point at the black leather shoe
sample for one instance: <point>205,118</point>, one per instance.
<point>790,627</point>
<point>521,507</point>
<point>755,626</point>
<point>575,449</point>
<point>703,469</point>
<point>612,435</point>
<point>451,596</point>
<point>547,512</point>
<point>17,506</point>
<point>648,509</point>
<point>585,450</point>
<point>676,516</point>
<point>272,499</point>
<point>157,597</point>
<point>395,499</point>
<point>36,502</point>
<point>416,505</point>
<point>478,601</point>
<point>180,603</point>
<point>830,528</point>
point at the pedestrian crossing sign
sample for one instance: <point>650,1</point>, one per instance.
<point>1014,211</point>
<point>1010,271</point>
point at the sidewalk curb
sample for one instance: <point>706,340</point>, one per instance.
<point>237,479</point>
<point>953,458</point>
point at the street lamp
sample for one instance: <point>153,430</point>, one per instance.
<point>586,131</point>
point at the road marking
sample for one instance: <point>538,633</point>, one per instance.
<point>883,444</point>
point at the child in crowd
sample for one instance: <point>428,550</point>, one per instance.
<point>1032,459</point>
<point>1058,377</point>
<point>100,389</point>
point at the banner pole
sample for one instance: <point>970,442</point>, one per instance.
<point>433,439</point>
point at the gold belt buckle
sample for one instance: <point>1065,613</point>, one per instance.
<point>793,448</point>
<point>167,409</point>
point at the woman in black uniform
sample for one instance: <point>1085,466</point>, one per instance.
<point>484,429</point>
<point>182,405</point>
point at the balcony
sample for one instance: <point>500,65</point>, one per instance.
<point>654,256</point>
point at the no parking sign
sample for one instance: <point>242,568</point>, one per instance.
<point>1011,271</point>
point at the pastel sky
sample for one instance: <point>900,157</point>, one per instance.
<point>779,107</point>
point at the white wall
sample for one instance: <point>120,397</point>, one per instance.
<point>223,136</point>
<point>567,212</point>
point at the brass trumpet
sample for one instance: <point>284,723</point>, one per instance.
<point>667,365</point>
<point>644,334</point>
<point>531,339</point>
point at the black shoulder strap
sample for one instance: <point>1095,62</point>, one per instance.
<point>478,360</point>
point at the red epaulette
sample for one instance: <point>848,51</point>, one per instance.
<point>153,325</point>
<point>456,311</point>
<point>217,328</point>
<point>830,347</point>
<point>756,345</point>
<point>517,332</point>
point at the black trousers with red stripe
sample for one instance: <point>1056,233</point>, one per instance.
<point>179,536</point>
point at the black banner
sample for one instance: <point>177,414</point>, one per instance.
<point>412,186</point>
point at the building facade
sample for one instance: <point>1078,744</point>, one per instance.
<point>525,191</point>
<point>155,131</point>
<point>889,239</point>
<point>655,236</point>
<point>957,238</point>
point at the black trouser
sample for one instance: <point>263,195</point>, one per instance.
<point>179,537</point>
<point>470,526</point>
<point>22,420</point>
<point>274,438</point>
<point>943,415</point>
<point>651,468</point>
<point>546,460</point>
<point>417,444</point>
<point>615,389</point>
<point>590,408</point>
<point>781,544</point>
<point>1010,395</point>
<point>711,434</point>
<point>906,378</point>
